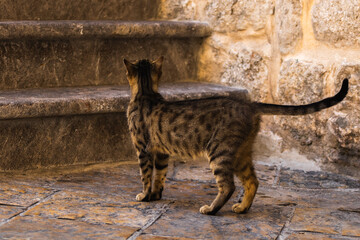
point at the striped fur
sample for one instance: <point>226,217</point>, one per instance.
<point>221,128</point>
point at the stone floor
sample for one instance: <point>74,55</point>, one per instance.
<point>98,202</point>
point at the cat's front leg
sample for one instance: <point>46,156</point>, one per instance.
<point>146,164</point>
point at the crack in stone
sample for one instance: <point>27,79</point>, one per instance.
<point>138,232</point>
<point>25,209</point>
<point>277,176</point>
<point>355,210</point>
<point>11,205</point>
<point>282,235</point>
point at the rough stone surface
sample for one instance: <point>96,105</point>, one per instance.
<point>63,63</point>
<point>300,82</point>
<point>343,126</point>
<point>178,9</point>
<point>225,60</point>
<point>232,15</point>
<point>223,16</point>
<point>102,29</point>
<point>288,24</point>
<point>331,136</point>
<point>337,22</point>
<point>247,70</point>
<point>78,10</point>
<point>98,201</point>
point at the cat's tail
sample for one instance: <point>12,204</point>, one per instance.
<point>273,109</point>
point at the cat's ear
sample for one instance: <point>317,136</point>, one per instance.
<point>129,66</point>
<point>158,63</point>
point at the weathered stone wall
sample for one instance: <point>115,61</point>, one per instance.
<point>288,52</point>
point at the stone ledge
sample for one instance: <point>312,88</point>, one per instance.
<point>27,103</point>
<point>102,29</point>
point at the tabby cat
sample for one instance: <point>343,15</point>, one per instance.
<point>221,128</point>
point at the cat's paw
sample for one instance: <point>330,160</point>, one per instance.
<point>206,210</point>
<point>141,197</point>
<point>155,196</point>
<point>238,208</point>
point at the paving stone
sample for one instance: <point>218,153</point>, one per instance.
<point>191,170</point>
<point>21,195</point>
<point>123,180</point>
<point>7,212</point>
<point>350,229</point>
<point>328,221</point>
<point>199,170</point>
<point>183,220</point>
<point>43,228</point>
<point>321,180</point>
<point>313,220</point>
<point>312,236</point>
<point>150,236</point>
<point>96,209</point>
<point>99,203</point>
<point>317,198</point>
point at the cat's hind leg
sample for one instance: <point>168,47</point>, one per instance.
<point>161,166</point>
<point>247,176</point>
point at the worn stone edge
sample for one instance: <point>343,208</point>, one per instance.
<point>11,30</point>
<point>30,103</point>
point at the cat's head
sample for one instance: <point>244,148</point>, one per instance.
<point>144,76</point>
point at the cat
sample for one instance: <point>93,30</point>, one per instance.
<point>221,128</point>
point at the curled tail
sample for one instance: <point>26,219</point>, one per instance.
<point>273,109</point>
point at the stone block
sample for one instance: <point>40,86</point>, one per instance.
<point>230,15</point>
<point>300,82</point>
<point>332,135</point>
<point>225,60</point>
<point>288,24</point>
<point>247,69</point>
<point>45,228</point>
<point>343,126</point>
<point>179,9</point>
<point>337,22</point>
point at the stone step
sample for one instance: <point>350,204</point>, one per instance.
<point>78,10</point>
<point>71,29</point>
<point>40,54</point>
<point>78,125</point>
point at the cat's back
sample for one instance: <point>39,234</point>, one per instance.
<point>185,127</point>
<point>200,110</point>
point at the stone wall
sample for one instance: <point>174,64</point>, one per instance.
<point>288,52</point>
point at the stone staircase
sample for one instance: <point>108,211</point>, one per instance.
<point>63,90</point>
